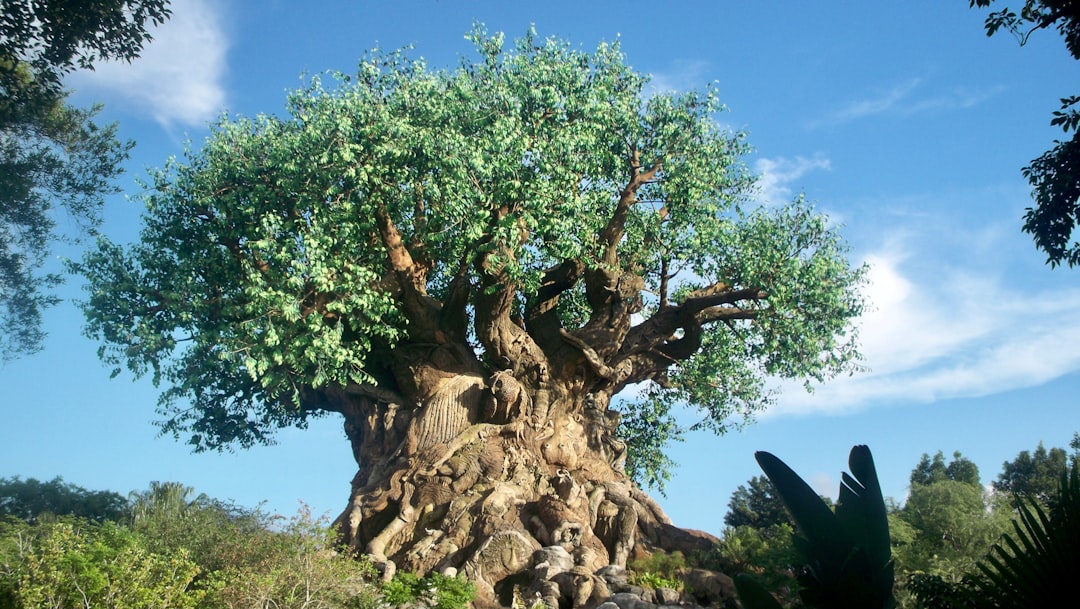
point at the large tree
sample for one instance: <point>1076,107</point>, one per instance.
<point>1055,175</point>
<point>468,266</point>
<point>53,155</point>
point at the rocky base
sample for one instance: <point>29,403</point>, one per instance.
<point>561,585</point>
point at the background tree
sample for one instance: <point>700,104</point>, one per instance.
<point>960,469</point>
<point>757,505</point>
<point>50,152</point>
<point>1032,565</point>
<point>948,522</point>
<point>467,266</point>
<point>757,537</point>
<point>30,499</point>
<point>1054,176</point>
<point>1034,475</point>
<point>216,534</point>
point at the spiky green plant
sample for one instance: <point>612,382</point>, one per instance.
<point>1036,565</point>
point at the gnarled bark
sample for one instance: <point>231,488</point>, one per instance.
<point>486,474</point>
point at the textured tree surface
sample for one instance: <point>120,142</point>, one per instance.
<point>469,266</point>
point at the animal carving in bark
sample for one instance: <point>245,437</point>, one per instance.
<point>503,278</point>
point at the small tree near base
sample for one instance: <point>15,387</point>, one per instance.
<point>468,266</point>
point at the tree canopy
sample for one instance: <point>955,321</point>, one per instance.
<point>52,154</point>
<point>929,471</point>
<point>758,505</point>
<point>1035,475</point>
<point>1055,175</point>
<point>29,499</point>
<point>535,208</point>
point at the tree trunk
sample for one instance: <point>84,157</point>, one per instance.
<point>513,479</point>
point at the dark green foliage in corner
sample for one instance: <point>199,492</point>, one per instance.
<point>53,155</point>
<point>1036,564</point>
<point>1055,175</point>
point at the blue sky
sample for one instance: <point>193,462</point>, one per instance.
<point>902,121</point>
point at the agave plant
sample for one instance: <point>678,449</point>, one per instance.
<point>847,559</point>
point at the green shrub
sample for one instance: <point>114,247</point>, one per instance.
<point>71,562</point>
<point>298,567</point>
<point>659,570</point>
<point>436,591</point>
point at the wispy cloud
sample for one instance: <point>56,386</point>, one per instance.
<point>777,175</point>
<point>683,76</point>
<point>952,332</point>
<point>905,99</point>
<point>178,79</point>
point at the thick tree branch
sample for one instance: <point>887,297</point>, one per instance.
<point>454,316</point>
<point>503,339</point>
<point>719,294</point>
<point>616,226</point>
<point>614,295</point>
<point>541,314</point>
<point>659,335</point>
<point>411,278</point>
<point>615,375</point>
<point>401,261</point>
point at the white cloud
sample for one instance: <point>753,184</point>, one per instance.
<point>178,77</point>
<point>684,76</point>
<point>904,99</point>
<point>949,334</point>
<point>776,175</point>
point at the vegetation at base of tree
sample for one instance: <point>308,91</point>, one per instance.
<point>1055,175</point>
<point>659,570</point>
<point>436,591</point>
<point>71,563</point>
<point>172,549</point>
<point>53,155</point>
<point>189,550</point>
